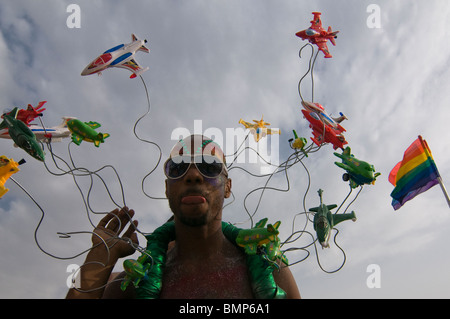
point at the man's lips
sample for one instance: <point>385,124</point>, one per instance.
<point>193,199</point>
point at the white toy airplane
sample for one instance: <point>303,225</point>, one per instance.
<point>121,56</point>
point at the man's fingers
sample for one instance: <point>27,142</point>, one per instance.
<point>130,232</point>
<point>104,221</point>
<point>116,220</point>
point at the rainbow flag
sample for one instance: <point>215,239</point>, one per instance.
<point>415,174</point>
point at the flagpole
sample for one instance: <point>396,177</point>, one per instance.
<point>441,183</point>
<point>439,178</point>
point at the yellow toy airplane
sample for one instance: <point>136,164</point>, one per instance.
<point>259,130</point>
<point>7,168</point>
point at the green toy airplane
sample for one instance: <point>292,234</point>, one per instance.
<point>85,131</point>
<point>265,238</point>
<point>22,135</point>
<point>324,220</point>
<point>298,143</point>
<point>358,172</point>
<point>135,270</point>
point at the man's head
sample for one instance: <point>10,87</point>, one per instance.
<point>197,180</point>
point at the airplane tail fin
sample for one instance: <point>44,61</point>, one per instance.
<point>333,35</point>
<point>13,113</point>
<point>143,47</point>
<point>64,121</point>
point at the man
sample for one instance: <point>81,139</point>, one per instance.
<point>201,262</point>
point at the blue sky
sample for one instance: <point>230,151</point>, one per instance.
<point>219,61</point>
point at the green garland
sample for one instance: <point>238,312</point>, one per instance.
<point>260,271</point>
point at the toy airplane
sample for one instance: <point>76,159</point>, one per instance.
<point>317,35</point>
<point>25,115</point>
<point>45,134</point>
<point>29,114</point>
<point>22,136</point>
<point>52,134</point>
<point>358,172</point>
<point>298,143</point>
<point>264,239</point>
<point>272,252</point>
<point>135,271</point>
<point>259,129</point>
<point>121,56</point>
<point>85,131</point>
<point>257,236</point>
<point>7,167</point>
<point>324,133</point>
<point>324,221</point>
<point>320,110</point>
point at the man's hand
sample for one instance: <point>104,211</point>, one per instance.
<point>107,248</point>
<point>108,231</point>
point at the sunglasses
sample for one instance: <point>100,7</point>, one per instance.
<point>209,166</point>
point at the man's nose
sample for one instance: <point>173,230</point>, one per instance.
<point>193,175</point>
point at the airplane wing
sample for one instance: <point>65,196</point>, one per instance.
<point>246,124</point>
<point>324,48</point>
<point>92,124</point>
<point>4,133</point>
<point>132,66</point>
<point>338,218</point>
<point>270,131</point>
<point>251,249</point>
<point>77,139</point>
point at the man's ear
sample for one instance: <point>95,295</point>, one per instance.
<point>166,189</point>
<point>228,188</point>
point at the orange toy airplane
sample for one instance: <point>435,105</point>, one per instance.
<point>259,129</point>
<point>7,167</point>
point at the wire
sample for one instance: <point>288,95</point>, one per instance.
<point>310,69</point>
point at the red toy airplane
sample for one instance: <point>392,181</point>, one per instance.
<point>28,115</point>
<point>324,132</point>
<point>317,35</point>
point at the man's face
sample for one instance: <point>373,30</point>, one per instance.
<point>195,199</point>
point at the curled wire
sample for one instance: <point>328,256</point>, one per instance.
<point>311,64</point>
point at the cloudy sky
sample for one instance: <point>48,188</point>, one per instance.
<point>212,63</point>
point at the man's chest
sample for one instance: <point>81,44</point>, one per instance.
<point>229,280</point>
